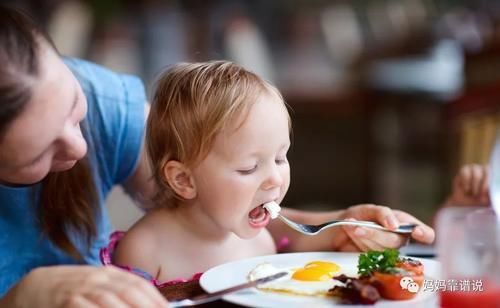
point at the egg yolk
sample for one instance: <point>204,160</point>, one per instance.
<point>316,271</point>
<point>311,274</point>
<point>328,267</point>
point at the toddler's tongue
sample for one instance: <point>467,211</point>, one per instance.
<point>258,214</point>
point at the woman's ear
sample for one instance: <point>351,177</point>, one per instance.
<point>180,179</point>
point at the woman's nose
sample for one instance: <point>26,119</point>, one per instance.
<point>274,179</point>
<point>74,146</point>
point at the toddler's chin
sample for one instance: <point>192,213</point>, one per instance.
<point>247,233</point>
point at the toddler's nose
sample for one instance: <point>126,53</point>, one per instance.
<point>273,180</point>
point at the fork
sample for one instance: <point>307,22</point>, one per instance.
<point>315,229</point>
<point>210,297</point>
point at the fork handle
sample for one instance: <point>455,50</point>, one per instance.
<point>405,229</point>
<point>181,303</point>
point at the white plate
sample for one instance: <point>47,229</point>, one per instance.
<point>233,273</point>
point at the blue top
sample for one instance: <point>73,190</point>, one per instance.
<point>116,124</point>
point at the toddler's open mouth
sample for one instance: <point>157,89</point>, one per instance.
<point>258,217</point>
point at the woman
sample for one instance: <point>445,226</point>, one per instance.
<point>69,131</point>
<point>58,163</point>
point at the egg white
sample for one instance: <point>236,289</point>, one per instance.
<point>288,285</point>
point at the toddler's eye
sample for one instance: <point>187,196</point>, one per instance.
<point>248,171</point>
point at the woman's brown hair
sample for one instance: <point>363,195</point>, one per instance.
<point>68,200</point>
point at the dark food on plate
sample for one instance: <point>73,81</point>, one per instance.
<point>383,271</point>
<point>355,291</point>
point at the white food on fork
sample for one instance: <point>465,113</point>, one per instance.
<point>272,208</point>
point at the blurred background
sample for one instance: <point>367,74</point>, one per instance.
<point>388,97</point>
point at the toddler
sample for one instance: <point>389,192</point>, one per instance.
<point>217,139</point>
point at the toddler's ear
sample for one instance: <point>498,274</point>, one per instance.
<point>180,179</point>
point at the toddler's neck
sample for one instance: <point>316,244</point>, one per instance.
<point>194,221</point>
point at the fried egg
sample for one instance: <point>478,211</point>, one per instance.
<point>315,278</point>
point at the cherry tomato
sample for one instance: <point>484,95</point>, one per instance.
<point>389,285</point>
<point>411,265</point>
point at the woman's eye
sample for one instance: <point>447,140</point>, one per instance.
<point>248,171</point>
<point>280,161</point>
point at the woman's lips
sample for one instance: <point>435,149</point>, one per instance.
<point>258,217</point>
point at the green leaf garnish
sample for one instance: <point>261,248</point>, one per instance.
<point>380,261</point>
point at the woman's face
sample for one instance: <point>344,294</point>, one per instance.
<point>46,136</point>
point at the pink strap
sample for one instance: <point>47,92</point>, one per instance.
<point>282,244</point>
<point>106,253</point>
